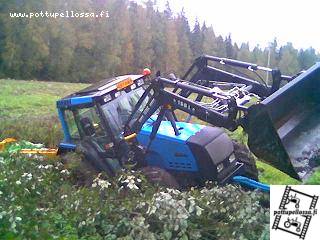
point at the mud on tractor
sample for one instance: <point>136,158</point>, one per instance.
<point>131,121</point>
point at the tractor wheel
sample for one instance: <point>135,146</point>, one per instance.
<point>160,176</point>
<point>92,158</point>
<point>244,156</point>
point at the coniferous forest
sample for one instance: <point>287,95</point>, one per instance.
<point>133,36</point>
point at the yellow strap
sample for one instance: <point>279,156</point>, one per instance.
<point>5,141</point>
<point>129,137</point>
<point>51,152</point>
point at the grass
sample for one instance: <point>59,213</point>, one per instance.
<point>27,111</point>
<point>26,98</point>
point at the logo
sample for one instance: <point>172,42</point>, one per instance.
<point>291,210</point>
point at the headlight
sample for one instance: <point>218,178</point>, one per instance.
<point>232,158</point>
<point>220,167</point>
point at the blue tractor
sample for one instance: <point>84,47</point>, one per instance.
<point>131,121</point>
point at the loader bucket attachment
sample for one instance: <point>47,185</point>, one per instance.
<point>284,129</point>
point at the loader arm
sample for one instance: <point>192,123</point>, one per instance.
<point>283,127</point>
<point>210,68</point>
<point>219,108</point>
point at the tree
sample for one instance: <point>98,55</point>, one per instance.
<point>141,28</point>
<point>244,53</point>
<point>135,36</point>
<point>288,63</point>
<point>230,52</point>
<point>209,40</point>
<point>307,58</point>
<point>196,40</point>
<point>171,58</point>
<point>184,53</point>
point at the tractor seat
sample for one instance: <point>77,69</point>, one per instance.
<point>87,127</point>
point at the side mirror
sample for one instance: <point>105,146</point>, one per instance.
<point>172,76</point>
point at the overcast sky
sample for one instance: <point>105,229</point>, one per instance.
<point>258,21</point>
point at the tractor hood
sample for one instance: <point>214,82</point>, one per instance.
<point>198,149</point>
<point>166,130</point>
<point>167,150</point>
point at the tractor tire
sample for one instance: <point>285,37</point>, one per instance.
<point>160,177</point>
<point>244,156</point>
<point>92,158</point>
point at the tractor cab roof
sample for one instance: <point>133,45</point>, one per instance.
<point>99,89</point>
<point>104,86</point>
<point>107,85</point>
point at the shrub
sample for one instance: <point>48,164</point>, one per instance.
<point>39,199</point>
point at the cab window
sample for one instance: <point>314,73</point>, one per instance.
<point>89,122</point>
<point>72,125</point>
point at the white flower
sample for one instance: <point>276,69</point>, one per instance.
<point>103,184</point>
<point>83,223</point>
<point>28,176</point>
<point>132,186</point>
<point>199,210</point>
<point>18,219</point>
<point>48,166</point>
<point>64,196</point>
<point>41,166</point>
<point>65,171</point>
<point>18,182</point>
<point>131,182</point>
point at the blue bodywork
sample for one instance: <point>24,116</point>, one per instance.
<point>74,101</point>
<point>167,150</point>
<point>65,104</point>
<point>66,133</point>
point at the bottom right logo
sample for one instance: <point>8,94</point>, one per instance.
<point>294,212</point>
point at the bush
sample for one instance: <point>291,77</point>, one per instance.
<point>39,199</point>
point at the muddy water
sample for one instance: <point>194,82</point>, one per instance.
<point>303,145</point>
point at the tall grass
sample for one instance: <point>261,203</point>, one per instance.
<point>44,129</point>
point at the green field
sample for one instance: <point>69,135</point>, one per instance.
<point>28,112</point>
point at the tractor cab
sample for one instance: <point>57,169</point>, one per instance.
<point>94,118</point>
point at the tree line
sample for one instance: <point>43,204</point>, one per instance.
<point>134,36</point>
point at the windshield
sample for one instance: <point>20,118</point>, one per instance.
<point>118,111</point>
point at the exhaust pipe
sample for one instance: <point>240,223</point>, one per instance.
<point>284,129</point>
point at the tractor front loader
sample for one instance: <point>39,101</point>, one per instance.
<point>283,125</point>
